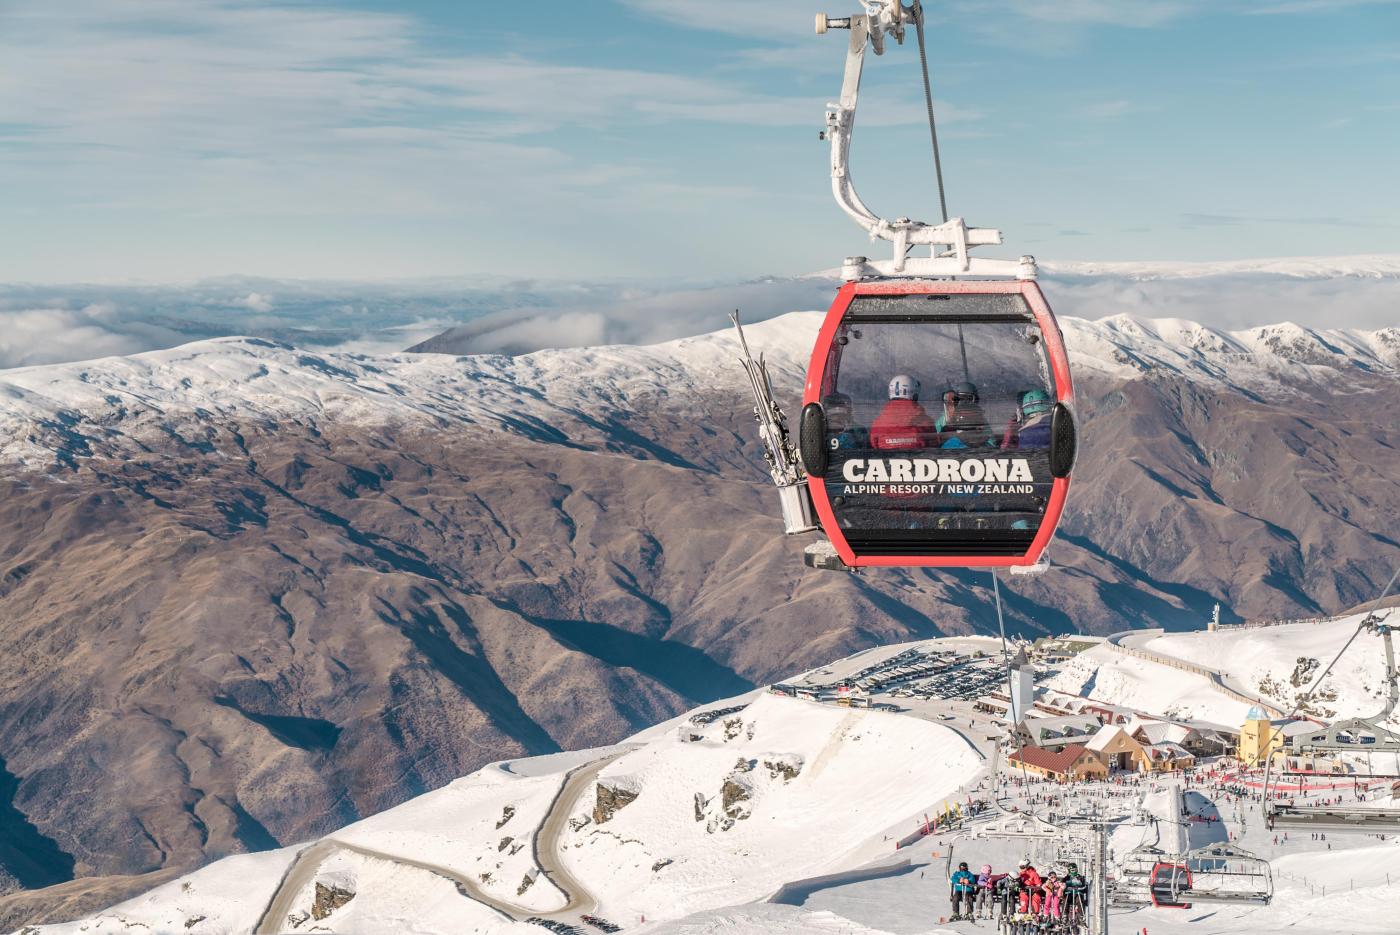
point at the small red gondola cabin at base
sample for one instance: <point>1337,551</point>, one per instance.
<point>1169,885</point>
<point>937,427</point>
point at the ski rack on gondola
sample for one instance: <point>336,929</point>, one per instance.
<point>778,450</point>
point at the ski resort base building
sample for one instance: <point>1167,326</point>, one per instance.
<point>1111,749</point>
<point>1262,738</point>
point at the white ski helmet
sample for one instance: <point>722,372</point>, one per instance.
<point>1026,862</point>
<point>903,386</point>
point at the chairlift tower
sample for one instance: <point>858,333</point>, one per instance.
<point>1022,687</point>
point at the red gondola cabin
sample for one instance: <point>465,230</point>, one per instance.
<point>936,424</point>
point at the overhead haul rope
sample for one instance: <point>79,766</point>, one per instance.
<point>918,9</point>
<point>1307,695</point>
<point>928,100</point>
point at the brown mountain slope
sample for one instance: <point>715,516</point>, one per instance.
<point>241,619</point>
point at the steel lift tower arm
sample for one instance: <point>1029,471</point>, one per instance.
<point>888,18</point>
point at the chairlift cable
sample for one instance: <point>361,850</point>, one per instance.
<point>928,101</point>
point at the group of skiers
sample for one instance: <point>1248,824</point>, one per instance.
<point>903,424</point>
<point>987,895</point>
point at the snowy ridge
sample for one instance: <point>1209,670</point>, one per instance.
<point>57,413</point>
<point>691,825</point>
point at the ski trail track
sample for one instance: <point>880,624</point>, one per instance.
<point>546,840</point>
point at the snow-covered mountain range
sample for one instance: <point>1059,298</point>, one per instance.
<point>336,581</point>
<point>53,414</point>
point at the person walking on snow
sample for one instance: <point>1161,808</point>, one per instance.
<point>963,892</point>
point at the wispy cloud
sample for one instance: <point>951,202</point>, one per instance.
<point>42,324</point>
<point>1108,110</point>
<point>1313,6</point>
<point>1190,220</point>
<point>219,108</point>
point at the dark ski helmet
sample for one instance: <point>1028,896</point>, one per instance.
<point>966,392</point>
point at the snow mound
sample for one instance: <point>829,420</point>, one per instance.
<point>212,899</point>
<point>783,790</point>
<point>1104,674</point>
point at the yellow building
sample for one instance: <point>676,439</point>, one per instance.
<point>1259,738</point>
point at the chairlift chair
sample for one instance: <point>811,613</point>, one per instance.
<point>1224,873</point>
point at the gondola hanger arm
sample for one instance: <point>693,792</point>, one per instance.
<point>950,241</point>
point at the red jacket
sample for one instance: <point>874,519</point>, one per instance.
<point>1030,879</point>
<point>902,425</point>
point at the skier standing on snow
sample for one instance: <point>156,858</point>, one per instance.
<point>963,892</point>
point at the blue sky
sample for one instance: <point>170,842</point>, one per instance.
<point>169,140</point>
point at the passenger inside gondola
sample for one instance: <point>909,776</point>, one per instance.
<point>1030,424</point>
<point>938,466</point>
<point>963,423</point>
<point>840,421</point>
<point>903,424</point>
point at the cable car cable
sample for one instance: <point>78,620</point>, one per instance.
<point>962,346</point>
<point>928,101</point>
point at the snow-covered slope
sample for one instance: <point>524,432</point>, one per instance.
<point>773,782</point>
<point>55,413</point>
<point>1104,674</point>
<point>1278,663</point>
<point>681,819</point>
<point>1283,662</point>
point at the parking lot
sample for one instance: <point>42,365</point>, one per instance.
<point>964,680</point>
